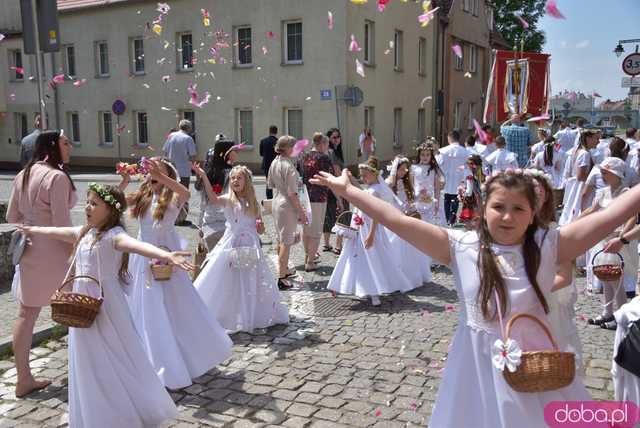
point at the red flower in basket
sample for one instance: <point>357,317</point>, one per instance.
<point>466,214</point>
<point>159,262</point>
<point>217,189</point>
<point>358,220</point>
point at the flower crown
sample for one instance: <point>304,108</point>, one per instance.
<point>530,172</point>
<point>105,195</point>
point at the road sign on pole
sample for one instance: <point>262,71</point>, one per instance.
<point>631,64</point>
<point>47,29</point>
<point>631,82</point>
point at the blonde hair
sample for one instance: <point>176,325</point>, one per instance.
<point>319,138</point>
<point>140,201</point>
<point>250,207</point>
<point>284,142</point>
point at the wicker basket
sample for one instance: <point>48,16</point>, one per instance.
<point>541,371</point>
<point>74,309</point>
<point>343,226</point>
<point>607,270</point>
<point>161,272</point>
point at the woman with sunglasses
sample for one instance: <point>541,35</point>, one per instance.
<point>334,205</point>
<point>43,195</point>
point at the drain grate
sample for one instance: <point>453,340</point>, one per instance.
<point>327,307</point>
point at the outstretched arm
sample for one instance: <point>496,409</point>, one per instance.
<point>576,237</point>
<point>428,238</point>
<point>66,234</point>
<point>211,195</point>
<point>156,173</point>
<point>126,243</point>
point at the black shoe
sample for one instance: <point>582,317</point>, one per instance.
<point>283,285</point>
<point>599,320</point>
<point>609,325</point>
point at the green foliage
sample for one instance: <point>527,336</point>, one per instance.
<point>510,27</point>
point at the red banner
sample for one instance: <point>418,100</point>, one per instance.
<point>519,83</point>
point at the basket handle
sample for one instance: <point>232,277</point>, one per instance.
<point>73,278</point>
<point>602,251</point>
<point>343,213</point>
<point>532,318</point>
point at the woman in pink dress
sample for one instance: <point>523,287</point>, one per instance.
<point>43,195</point>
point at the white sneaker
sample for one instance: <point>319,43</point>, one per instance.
<point>375,301</point>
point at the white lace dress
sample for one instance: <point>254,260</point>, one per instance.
<point>473,393</point>
<point>182,338</point>
<point>111,381</point>
<point>241,299</point>
<point>573,188</point>
<point>424,182</point>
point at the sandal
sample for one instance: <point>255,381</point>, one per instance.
<point>337,251</point>
<point>327,248</point>
<point>599,320</point>
<point>283,285</point>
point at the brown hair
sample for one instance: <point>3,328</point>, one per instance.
<point>490,275</point>
<point>47,149</point>
<point>114,219</point>
<point>406,180</point>
<point>619,148</point>
<point>546,214</point>
<point>248,194</point>
<point>432,149</point>
<point>140,200</point>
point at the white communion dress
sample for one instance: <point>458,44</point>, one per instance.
<point>473,393</point>
<point>111,381</point>
<point>425,181</point>
<point>241,298</point>
<point>182,338</point>
<point>369,272</point>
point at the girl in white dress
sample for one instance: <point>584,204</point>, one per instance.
<point>111,381</point>
<point>510,257</point>
<point>427,182</point>
<point>576,172</point>
<point>626,385</point>
<point>369,265</point>
<point>235,282</point>
<point>182,338</point>
<point>551,160</point>
<point>417,265</point>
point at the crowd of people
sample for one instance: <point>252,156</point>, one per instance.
<point>514,220</point>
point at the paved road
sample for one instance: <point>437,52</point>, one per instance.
<point>339,362</point>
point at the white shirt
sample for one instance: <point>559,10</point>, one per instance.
<point>566,138</point>
<point>453,161</point>
<point>600,152</point>
<point>502,159</point>
<point>555,170</point>
<point>633,143</point>
<point>478,149</point>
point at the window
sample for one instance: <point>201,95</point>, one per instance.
<point>15,61</point>
<point>369,118</point>
<point>244,126</point>
<point>474,7</point>
<point>456,115</point>
<point>137,55</point>
<point>185,52</point>
<point>459,59</point>
<point>397,50</point>
<point>472,115</point>
<point>422,56</point>
<point>70,60</point>
<point>102,59</point>
<point>466,5</point>
<point>142,131</point>
<point>422,120</point>
<point>293,42</point>
<point>369,42</point>
<point>73,124</point>
<point>191,117</point>
<point>473,58</point>
<point>106,128</point>
<point>243,39</point>
<point>294,123</point>
<point>21,125</point>
<point>397,127</point>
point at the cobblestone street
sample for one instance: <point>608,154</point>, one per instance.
<point>340,362</point>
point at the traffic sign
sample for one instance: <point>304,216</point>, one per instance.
<point>631,64</point>
<point>631,82</point>
<point>325,94</point>
<point>118,107</point>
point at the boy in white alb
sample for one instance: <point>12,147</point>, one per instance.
<point>452,160</point>
<point>501,158</point>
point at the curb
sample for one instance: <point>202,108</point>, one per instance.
<point>40,334</point>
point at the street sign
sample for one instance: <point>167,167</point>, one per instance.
<point>118,108</point>
<point>48,31</point>
<point>631,64</point>
<point>325,94</point>
<point>631,82</point>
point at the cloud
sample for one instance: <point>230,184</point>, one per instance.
<point>563,44</point>
<point>583,44</point>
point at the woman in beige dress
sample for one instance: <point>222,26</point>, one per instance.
<point>286,206</point>
<point>43,195</point>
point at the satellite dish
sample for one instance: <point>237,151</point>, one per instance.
<point>353,96</point>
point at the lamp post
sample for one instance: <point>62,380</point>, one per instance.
<point>619,50</point>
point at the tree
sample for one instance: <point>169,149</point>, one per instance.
<point>506,23</point>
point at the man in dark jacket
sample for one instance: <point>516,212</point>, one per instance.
<point>268,153</point>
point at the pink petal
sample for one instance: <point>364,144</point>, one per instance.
<point>353,46</point>
<point>2,36</point>
<point>299,147</point>
<point>329,20</point>
<point>79,83</point>
<point>524,23</point>
<point>450,308</point>
<point>552,9</point>
<point>378,412</point>
<point>457,50</point>
<point>359,68</point>
<point>270,34</point>
<point>484,137</point>
<point>426,17</point>
<point>58,78</point>
<point>18,70</point>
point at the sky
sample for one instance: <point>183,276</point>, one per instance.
<point>582,45</point>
